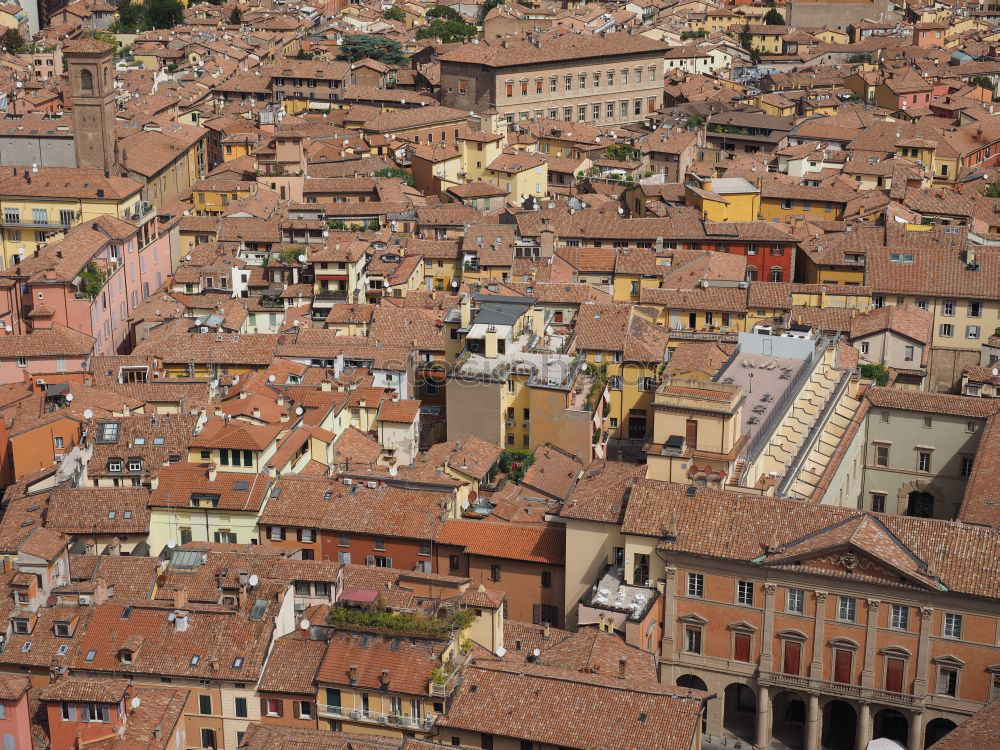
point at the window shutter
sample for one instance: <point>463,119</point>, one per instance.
<point>263,706</point>
<point>536,614</point>
<point>298,534</point>
<point>296,712</point>
<point>281,708</point>
<point>72,712</point>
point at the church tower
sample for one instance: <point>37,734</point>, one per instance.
<point>90,64</point>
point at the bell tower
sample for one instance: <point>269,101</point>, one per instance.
<point>90,64</point>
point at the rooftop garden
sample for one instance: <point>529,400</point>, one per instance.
<point>387,621</point>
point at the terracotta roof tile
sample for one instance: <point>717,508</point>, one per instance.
<point>536,543</point>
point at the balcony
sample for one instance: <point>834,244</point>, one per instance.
<point>11,220</point>
<point>829,687</point>
<point>331,295</point>
<point>403,721</point>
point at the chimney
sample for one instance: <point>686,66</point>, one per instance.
<point>213,471</point>
<point>180,597</point>
<point>622,662</point>
<point>180,620</point>
<point>384,679</point>
<point>326,386</point>
<point>545,630</point>
<point>352,674</point>
<point>256,412</point>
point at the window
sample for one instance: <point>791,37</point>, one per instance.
<point>744,593</point>
<point>494,572</point>
<point>380,544</point>
<point>899,617</point>
<point>952,625</point>
<point>624,76</point>
<point>696,585</point>
<point>948,307</point>
<point>692,639</point>
<point>928,422</point>
<point>546,579</point>
<point>864,347</point>
<point>972,332</point>
<point>947,681</point>
<point>923,461</point>
<point>908,352</point>
<point>304,709</point>
<point>847,611</point>
<point>272,707</point>
<point>878,502</point>
<point>510,89</point>
<point>205,704</point>
<point>795,601</point>
<point>241,708</point>
<point>568,83</point>
<point>881,455</point>
<point>741,646</point>
<point>966,465</point>
<point>946,330</point>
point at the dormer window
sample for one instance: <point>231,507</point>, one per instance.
<point>115,465</point>
<point>61,629</point>
<point>108,432</point>
<point>20,625</point>
<point>134,465</point>
<point>126,656</point>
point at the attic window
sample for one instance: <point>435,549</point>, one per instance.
<point>195,658</point>
<point>108,432</point>
<point>259,607</point>
<point>241,485</point>
<point>62,650</point>
<point>237,662</point>
<point>26,647</point>
<point>127,515</point>
<point>140,441</point>
<point>20,625</point>
<point>90,655</point>
<point>115,465</point>
<point>900,257</point>
<point>126,613</point>
<point>126,656</point>
<point>157,441</point>
<point>112,514</point>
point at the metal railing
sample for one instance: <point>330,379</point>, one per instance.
<point>406,721</point>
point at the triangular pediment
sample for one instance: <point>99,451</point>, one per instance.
<point>859,546</point>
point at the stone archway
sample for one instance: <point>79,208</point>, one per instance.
<point>840,725</point>
<point>917,498</point>
<point>739,717</point>
<point>789,722</point>
<point>891,724</point>
<point>936,729</point>
<point>694,682</point>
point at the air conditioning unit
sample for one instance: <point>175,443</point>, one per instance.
<point>40,382</point>
<point>383,719</point>
<point>348,481</point>
<point>355,714</point>
<point>372,485</point>
<point>84,599</point>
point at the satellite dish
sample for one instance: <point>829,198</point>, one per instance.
<point>501,651</point>
<point>299,410</point>
<point>88,414</point>
<point>304,625</point>
<point>69,396</point>
<point>393,471</point>
<point>171,544</point>
<point>9,328</point>
<point>270,378</point>
<point>536,653</point>
<point>254,580</point>
<point>136,702</point>
<point>187,257</point>
<point>302,258</point>
<point>996,372</point>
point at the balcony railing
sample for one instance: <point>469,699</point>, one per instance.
<point>331,295</point>
<point>404,721</point>
<point>60,224</point>
<point>829,687</point>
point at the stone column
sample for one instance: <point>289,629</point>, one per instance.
<point>767,636</point>
<point>669,624</point>
<point>814,723</point>
<point>864,726</point>
<point>923,652</point>
<point>916,739</point>
<point>763,719</point>
<point>868,672</point>
<point>816,666</point>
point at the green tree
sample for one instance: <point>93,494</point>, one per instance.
<point>395,14</point>
<point>359,46</point>
<point>445,13</point>
<point>236,17</point>
<point>396,172</point>
<point>448,31</point>
<point>162,14</point>
<point>695,121</point>
<point>13,41</point>
<point>992,191</point>
<point>878,373</point>
<point>860,58</point>
<point>774,18</point>
<point>622,152</point>
<point>982,82</point>
<point>486,7</point>
<point>303,55</point>
<point>746,37</point>
<point>130,17</point>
